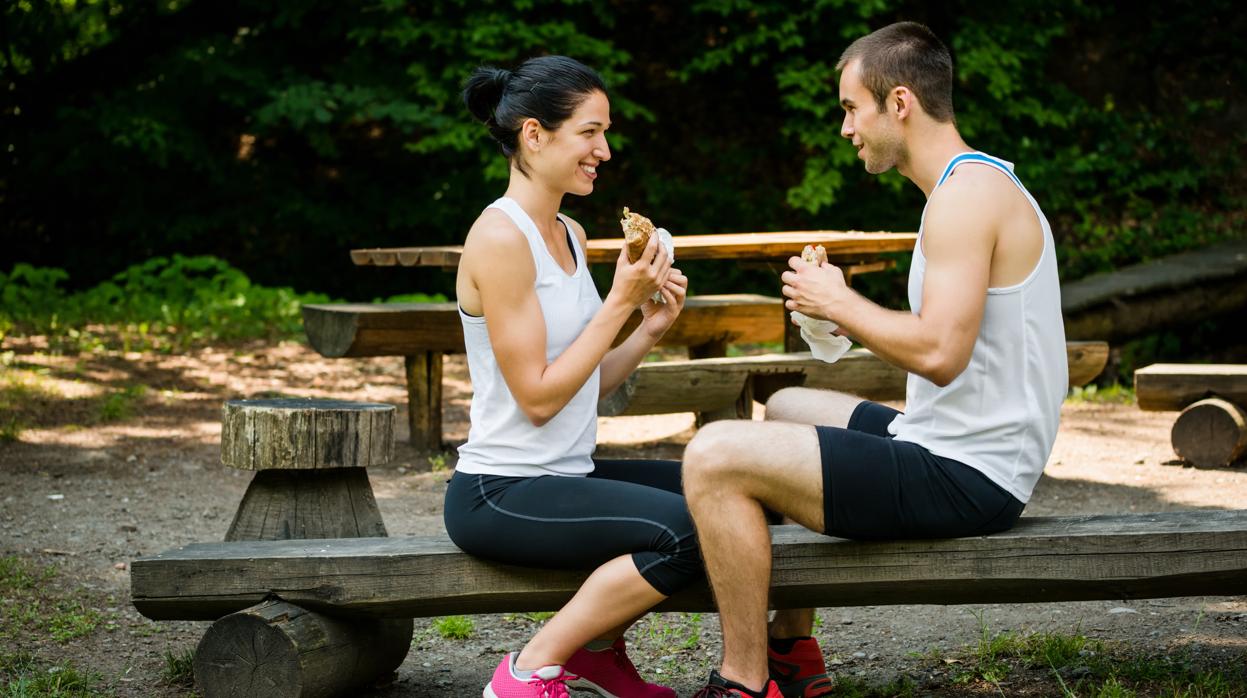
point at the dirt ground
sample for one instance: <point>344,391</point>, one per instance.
<point>83,495</point>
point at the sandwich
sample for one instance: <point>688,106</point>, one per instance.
<point>814,255</point>
<point>637,230</point>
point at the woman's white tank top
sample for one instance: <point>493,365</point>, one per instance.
<point>1000,416</point>
<point>501,439</point>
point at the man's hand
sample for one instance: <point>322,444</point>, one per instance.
<point>814,290</point>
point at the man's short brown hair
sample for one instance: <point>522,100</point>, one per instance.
<point>905,53</point>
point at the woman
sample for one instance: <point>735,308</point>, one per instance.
<point>526,489</point>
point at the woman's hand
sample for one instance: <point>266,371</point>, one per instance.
<point>658,317</point>
<point>636,282</point>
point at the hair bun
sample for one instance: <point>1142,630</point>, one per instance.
<point>483,91</point>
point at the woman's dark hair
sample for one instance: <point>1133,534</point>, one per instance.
<point>547,88</point>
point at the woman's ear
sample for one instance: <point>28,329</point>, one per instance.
<point>532,136</point>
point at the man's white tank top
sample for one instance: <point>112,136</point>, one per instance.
<point>501,439</point>
<point>1000,416</point>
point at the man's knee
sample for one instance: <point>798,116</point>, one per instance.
<point>709,454</point>
<point>785,405</point>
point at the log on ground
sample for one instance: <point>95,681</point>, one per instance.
<point>1211,433</point>
<point>280,650</point>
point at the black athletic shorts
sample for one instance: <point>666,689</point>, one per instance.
<point>875,487</point>
<point>623,507</point>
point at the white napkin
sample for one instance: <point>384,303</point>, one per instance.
<point>666,240</point>
<point>818,334</point>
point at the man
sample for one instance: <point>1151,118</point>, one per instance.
<point>984,347</point>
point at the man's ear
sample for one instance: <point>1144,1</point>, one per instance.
<point>902,102</point>
<point>532,135</point>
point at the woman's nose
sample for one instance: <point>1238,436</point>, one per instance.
<point>603,150</point>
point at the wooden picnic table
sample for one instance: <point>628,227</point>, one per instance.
<point>841,246</point>
<point>855,252</point>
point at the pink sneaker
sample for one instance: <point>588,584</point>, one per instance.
<point>610,674</point>
<point>546,682</point>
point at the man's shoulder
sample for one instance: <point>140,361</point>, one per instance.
<point>975,195</point>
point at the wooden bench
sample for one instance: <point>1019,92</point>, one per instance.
<point>358,581</point>
<point>423,332</point>
<point>1211,431</point>
<point>727,387</point>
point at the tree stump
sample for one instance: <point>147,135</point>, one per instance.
<point>1210,433</point>
<point>311,481</point>
<point>310,457</point>
<point>280,650</point>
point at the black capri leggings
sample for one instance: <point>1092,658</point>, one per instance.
<point>622,507</point>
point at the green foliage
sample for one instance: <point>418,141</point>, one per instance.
<point>161,303</point>
<point>118,405</point>
<point>280,135</point>
<point>1115,393</point>
<point>179,668</point>
<point>1105,670</point>
<point>454,627</point>
<point>24,676</point>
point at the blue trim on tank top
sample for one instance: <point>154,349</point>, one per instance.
<point>978,157</point>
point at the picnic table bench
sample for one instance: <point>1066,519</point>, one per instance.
<point>1211,431</point>
<point>321,606</point>
<point>709,383</point>
<point>359,581</point>
<point>422,333</point>
<point>727,387</point>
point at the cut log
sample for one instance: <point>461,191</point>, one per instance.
<point>301,434</point>
<point>327,503</point>
<point>1184,553</point>
<point>717,385</point>
<point>1211,433</point>
<point>1160,294</point>
<point>406,329</point>
<point>278,649</point>
<point>1086,360</point>
<point>1174,386</point>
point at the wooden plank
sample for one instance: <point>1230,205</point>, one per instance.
<point>1167,274</point>
<point>1174,386</point>
<point>1159,294</point>
<point>708,385</point>
<point>841,246</point>
<point>404,329</point>
<point>1184,553</point>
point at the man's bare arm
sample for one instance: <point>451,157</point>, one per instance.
<point>936,343</point>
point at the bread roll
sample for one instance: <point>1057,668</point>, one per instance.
<point>814,255</point>
<point>637,230</point>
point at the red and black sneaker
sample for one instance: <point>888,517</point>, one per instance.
<point>800,671</point>
<point>719,687</point>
